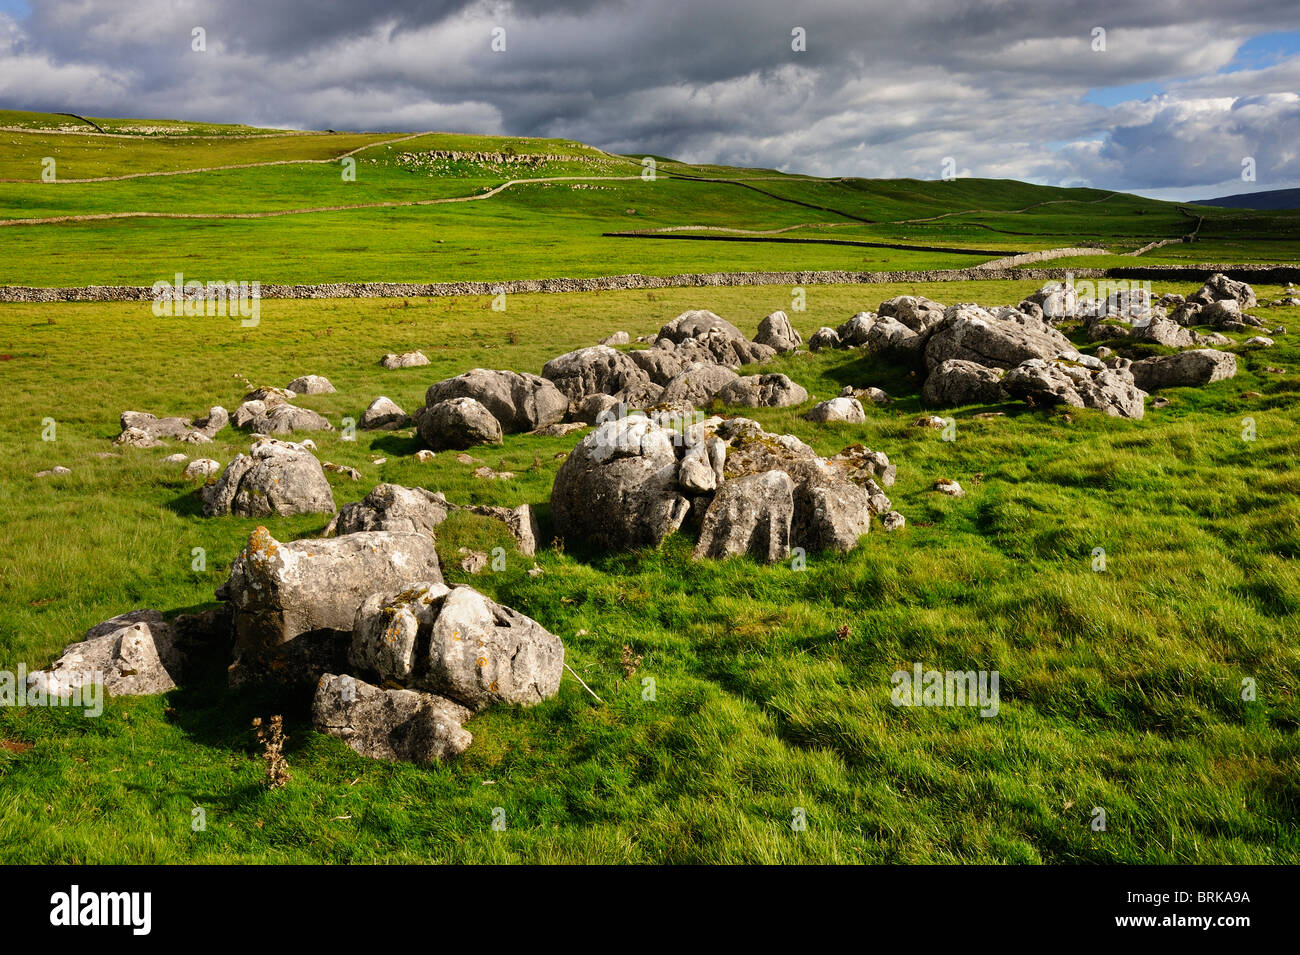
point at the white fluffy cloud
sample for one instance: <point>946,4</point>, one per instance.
<point>884,89</point>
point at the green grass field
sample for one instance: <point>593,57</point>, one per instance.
<point>1120,690</point>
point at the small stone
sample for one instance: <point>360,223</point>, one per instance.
<point>949,487</point>
<point>893,521</point>
<point>474,562</point>
<point>202,468</point>
<point>343,469</point>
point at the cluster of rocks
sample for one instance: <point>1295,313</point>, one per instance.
<point>262,411</point>
<point>692,363</point>
<point>392,507</point>
<point>975,355</point>
<point>271,411</point>
<point>143,430</point>
<point>638,478</point>
<point>312,613</point>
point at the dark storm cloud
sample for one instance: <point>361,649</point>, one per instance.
<point>883,89</point>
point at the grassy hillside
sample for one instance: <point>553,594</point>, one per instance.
<point>1119,689</point>
<point>279,208</point>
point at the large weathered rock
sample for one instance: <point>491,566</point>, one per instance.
<point>891,338</point>
<point>915,311</point>
<point>457,643</point>
<point>618,487</point>
<point>202,468</point>
<point>1164,331</point>
<point>311,385</point>
<point>287,418</point>
<point>387,630</point>
<point>272,414</point>
<point>309,591</point>
<point>696,384</point>
<point>701,468</point>
<point>750,515</point>
<point>1189,368</point>
<point>275,477</point>
<point>845,410</point>
<point>839,516</point>
<point>482,653</point>
<point>754,451</point>
<point>391,507</point>
<point>775,331</point>
<point>1218,287</point>
<point>762,391</point>
<point>457,423</point>
<point>389,724</point>
<point>957,382</point>
<point>661,363</point>
<point>520,402</point>
<point>721,348</point>
<point>133,654</point>
<point>136,438</point>
<point>1186,313</point>
<point>698,323</point>
<point>595,370</point>
<point>970,333</point>
<point>1046,384</point>
<point>824,338</point>
<point>153,426</point>
<point>383,414</point>
<point>853,333</point>
<point>1221,313</point>
<point>597,409</point>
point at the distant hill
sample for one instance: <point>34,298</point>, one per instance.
<point>1273,199</point>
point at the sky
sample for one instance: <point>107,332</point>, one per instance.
<point>1175,99</point>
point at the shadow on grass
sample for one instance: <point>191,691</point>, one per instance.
<point>397,444</point>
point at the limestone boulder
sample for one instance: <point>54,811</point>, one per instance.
<point>595,370</point>
<point>776,332</point>
<point>762,391</point>
<point>133,654</point>
<point>520,402</point>
<point>618,487</point>
<point>391,507</point>
<point>1193,368</point>
<point>310,385</point>
<point>957,382</point>
<point>840,410</point>
<point>749,515</point>
<point>383,414</point>
<point>275,477</point>
<point>390,724</point>
<point>969,333</point>
<point>288,598</point>
<point>457,423</point>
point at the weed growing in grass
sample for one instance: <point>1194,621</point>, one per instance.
<point>272,737</point>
